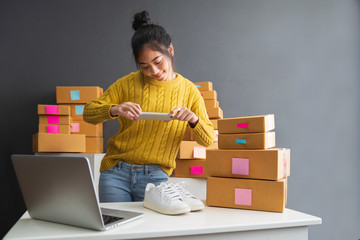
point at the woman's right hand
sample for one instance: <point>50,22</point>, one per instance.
<point>129,110</point>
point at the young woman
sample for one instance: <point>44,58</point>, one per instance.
<point>144,151</point>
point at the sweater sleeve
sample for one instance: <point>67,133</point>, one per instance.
<point>98,110</point>
<point>204,132</point>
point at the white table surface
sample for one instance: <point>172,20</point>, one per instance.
<point>211,220</point>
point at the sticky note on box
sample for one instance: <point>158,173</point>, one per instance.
<point>246,193</point>
<point>250,124</point>
<point>53,110</point>
<point>267,164</point>
<point>50,119</point>
<point>77,94</point>
<point>190,168</point>
<point>199,153</point>
<point>243,196</point>
<point>90,130</point>
<point>204,86</point>
<point>247,141</point>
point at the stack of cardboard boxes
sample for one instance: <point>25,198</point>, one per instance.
<point>246,172</point>
<point>191,158</point>
<point>62,128</point>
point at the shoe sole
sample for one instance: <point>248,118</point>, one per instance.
<point>166,211</point>
<point>197,208</point>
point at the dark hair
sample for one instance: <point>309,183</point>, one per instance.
<point>152,35</point>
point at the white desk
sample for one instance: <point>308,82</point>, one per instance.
<point>210,223</point>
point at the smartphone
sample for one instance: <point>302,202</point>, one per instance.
<point>154,116</point>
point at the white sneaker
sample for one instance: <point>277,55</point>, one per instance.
<point>164,199</point>
<point>194,203</point>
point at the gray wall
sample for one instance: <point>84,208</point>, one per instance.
<point>296,59</point>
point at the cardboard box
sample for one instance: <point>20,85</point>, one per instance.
<point>77,94</point>
<point>54,128</point>
<point>246,194</point>
<point>204,86</point>
<point>269,164</point>
<point>214,123</point>
<point>76,111</point>
<point>94,145</point>
<point>214,145</point>
<point>189,135</point>
<point>215,113</point>
<point>47,142</point>
<point>90,130</point>
<point>190,168</point>
<point>193,150</point>
<point>216,136</point>
<point>247,141</point>
<point>209,94</point>
<point>211,103</point>
<point>53,109</point>
<point>252,124</point>
<point>62,120</point>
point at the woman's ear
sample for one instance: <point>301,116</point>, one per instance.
<point>171,49</point>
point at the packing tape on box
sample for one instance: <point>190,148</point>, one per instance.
<point>52,129</point>
<point>269,139</point>
<point>51,109</point>
<point>53,119</point>
<point>196,170</point>
<point>284,162</point>
<point>243,196</point>
<point>242,125</point>
<point>241,141</point>
<point>268,122</point>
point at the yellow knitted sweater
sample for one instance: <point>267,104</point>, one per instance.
<point>146,141</point>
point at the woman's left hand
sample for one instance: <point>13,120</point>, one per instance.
<point>184,114</point>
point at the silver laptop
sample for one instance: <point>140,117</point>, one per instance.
<point>60,189</point>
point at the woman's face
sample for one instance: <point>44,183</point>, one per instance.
<point>156,65</point>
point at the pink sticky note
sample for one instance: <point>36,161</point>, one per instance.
<point>199,153</point>
<point>243,196</point>
<point>240,166</point>
<point>242,125</point>
<point>196,170</point>
<point>53,119</point>
<point>75,127</point>
<point>52,129</point>
<point>52,109</point>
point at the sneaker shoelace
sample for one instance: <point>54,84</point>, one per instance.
<point>168,192</point>
<point>179,187</point>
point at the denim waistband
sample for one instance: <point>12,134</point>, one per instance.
<point>136,167</point>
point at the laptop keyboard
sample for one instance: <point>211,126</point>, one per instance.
<point>110,219</point>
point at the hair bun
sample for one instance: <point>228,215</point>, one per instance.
<point>141,19</point>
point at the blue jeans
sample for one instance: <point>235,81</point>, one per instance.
<point>127,182</point>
